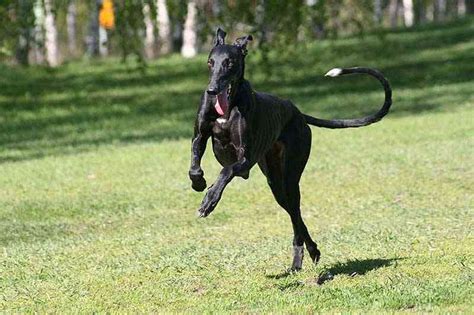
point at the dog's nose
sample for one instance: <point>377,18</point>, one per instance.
<point>212,91</point>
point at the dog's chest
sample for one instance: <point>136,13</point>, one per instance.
<point>223,148</point>
<point>221,130</point>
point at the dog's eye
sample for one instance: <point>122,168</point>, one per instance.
<point>228,63</point>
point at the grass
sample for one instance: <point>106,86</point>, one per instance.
<point>97,213</point>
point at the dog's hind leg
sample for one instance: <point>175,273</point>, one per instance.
<point>298,146</point>
<point>283,165</point>
<point>273,166</point>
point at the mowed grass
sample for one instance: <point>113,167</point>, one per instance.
<point>97,213</point>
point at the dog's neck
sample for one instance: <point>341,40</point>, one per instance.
<point>234,90</point>
<point>235,86</point>
<point>242,97</point>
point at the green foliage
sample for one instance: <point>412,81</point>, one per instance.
<point>97,213</point>
<point>6,31</point>
<point>129,26</point>
<point>17,21</point>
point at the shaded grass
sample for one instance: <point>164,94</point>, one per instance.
<point>97,215</point>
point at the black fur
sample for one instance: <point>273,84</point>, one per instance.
<point>258,128</point>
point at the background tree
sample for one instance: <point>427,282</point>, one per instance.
<point>38,32</point>
<point>439,10</point>
<point>130,29</point>
<point>461,8</point>
<point>93,34</point>
<point>470,6</point>
<point>22,15</point>
<point>71,25</point>
<point>408,14</point>
<point>164,27</point>
<point>150,40</point>
<point>51,37</point>
<point>189,48</point>
<point>378,12</point>
<point>393,9</point>
<point>44,30</point>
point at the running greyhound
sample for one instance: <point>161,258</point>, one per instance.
<point>249,128</point>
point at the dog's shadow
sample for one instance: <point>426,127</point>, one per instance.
<point>351,268</point>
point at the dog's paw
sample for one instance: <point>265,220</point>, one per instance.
<point>199,184</point>
<point>198,181</point>
<point>209,203</point>
<point>315,256</point>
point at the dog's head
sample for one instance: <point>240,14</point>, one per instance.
<point>226,63</point>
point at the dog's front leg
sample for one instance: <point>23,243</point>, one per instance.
<point>214,193</point>
<point>196,173</point>
<point>239,141</point>
<point>202,132</point>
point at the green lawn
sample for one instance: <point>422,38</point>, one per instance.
<point>97,213</point>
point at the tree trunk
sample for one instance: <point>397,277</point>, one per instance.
<point>103,44</point>
<point>261,26</point>
<point>51,38</point>
<point>470,7</point>
<point>149,32</point>
<point>71,27</point>
<point>22,48</point>
<point>430,12</point>
<point>38,44</point>
<point>420,12</point>
<point>320,26</point>
<point>334,18</point>
<point>164,28</point>
<point>439,10</point>
<point>378,14</point>
<point>189,48</point>
<point>400,12</point>
<point>393,13</point>
<point>93,36</point>
<point>408,15</point>
<point>461,8</point>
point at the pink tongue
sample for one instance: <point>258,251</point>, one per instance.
<point>222,104</point>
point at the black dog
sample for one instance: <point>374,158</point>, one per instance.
<point>249,127</point>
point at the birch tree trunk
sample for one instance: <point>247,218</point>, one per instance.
<point>51,38</point>
<point>71,27</point>
<point>149,32</point>
<point>408,14</point>
<point>103,44</point>
<point>38,44</point>
<point>189,48</point>
<point>461,8</point>
<point>430,12</point>
<point>393,13</point>
<point>164,28</point>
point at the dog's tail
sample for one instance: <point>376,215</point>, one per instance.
<point>358,122</point>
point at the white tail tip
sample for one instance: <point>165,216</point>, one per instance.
<point>334,72</point>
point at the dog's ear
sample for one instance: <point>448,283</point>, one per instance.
<point>220,37</point>
<point>242,42</point>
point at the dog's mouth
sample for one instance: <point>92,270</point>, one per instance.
<point>223,100</point>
